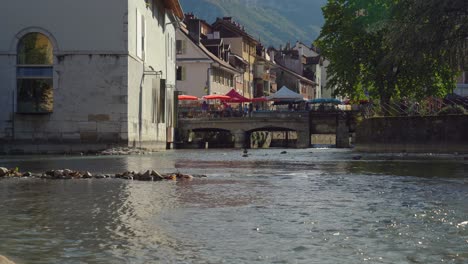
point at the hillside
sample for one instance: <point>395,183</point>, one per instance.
<point>274,22</point>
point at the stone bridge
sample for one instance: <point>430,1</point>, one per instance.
<point>303,123</point>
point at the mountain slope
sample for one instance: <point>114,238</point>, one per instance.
<point>274,22</point>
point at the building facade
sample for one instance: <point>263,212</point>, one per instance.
<point>203,70</point>
<point>243,45</point>
<point>87,75</point>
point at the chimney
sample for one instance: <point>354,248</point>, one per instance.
<point>194,28</point>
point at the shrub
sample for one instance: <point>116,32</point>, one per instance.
<point>453,110</point>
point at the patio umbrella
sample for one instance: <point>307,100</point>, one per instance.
<point>216,97</point>
<point>185,97</point>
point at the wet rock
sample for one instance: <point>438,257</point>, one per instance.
<point>67,172</point>
<point>57,173</point>
<point>100,176</point>
<point>155,173</point>
<point>27,174</point>
<point>170,177</point>
<point>357,157</point>
<point>87,175</point>
<point>146,176</point>
<point>128,177</point>
<point>199,176</point>
<point>156,176</point>
<point>184,177</point>
<point>283,152</point>
<point>3,172</point>
<point>5,260</point>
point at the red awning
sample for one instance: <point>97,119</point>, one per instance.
<point>236,97</point>
<point>217,97</point>
<point>185,97</point>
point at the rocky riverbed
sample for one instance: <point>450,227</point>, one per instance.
<point>149,175</point>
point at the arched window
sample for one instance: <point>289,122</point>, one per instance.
<point>34,74</point>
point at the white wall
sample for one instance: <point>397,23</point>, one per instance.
<point>86,25</point>
<point>158,62</point>
<point>196,66</point>
<point>196,78</point>
<point>97,75</point>
<point>89,70</point>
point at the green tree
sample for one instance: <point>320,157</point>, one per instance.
<point>438,28</point>
<point>355,38</point>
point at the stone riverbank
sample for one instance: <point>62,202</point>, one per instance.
<point>149,175</point>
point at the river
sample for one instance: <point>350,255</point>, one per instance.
<point>302,206</point>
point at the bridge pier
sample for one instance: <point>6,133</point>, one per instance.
<point>239,138</point>
<point>342,133</point>
<point>303,139</point>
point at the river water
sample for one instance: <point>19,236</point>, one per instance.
<point>303,206</point>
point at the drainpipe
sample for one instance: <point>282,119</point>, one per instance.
<point>208,80</point>
<point>13,114</point>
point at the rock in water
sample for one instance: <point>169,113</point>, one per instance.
<point>87,175</point>
<point>4,260</point>
<point>58,173</point>
<point>3,172</point>
<point>146,176</point>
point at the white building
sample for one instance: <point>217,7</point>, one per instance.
<point>87,75</point>
<point>199,71</point>
<point>322,77</point>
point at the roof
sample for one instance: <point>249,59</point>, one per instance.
<point>233,27</point>
<point>239,58</point>
<point>211,42</point>
<point>210,55</point>
<point>313,60</point>
<point>175,6</point>
<point>302,78</point>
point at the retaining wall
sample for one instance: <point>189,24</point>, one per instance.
<point>428,134</point>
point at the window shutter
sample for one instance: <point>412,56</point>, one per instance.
<point>184,73</point>
<point>143,37</point>
<point>184,46</point>
<point>138,32</point>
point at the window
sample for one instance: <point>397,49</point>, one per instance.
<point>34,74</point>
<point>179,46</point>
<point>162,102</point>
<point>180,73</point>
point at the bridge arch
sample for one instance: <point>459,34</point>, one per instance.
<point>271,136</point>
<point>202,137</point>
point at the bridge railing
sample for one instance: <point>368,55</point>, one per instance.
<point>430,106</point>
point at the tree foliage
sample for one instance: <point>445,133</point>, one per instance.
<point>438,28</point>
<point>358,40</point>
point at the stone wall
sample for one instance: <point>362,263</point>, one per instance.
<point>431,134</point>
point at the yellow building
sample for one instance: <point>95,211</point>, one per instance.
<point>243,45</point>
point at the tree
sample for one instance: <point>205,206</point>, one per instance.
<point>356,40</point>
<point>438,28</point>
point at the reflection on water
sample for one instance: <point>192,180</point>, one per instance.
<point>305,206</point>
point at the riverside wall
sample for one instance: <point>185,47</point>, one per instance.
<point>415,134</point>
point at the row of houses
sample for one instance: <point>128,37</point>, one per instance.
<point>215,58</point>
<point>89,75</point>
